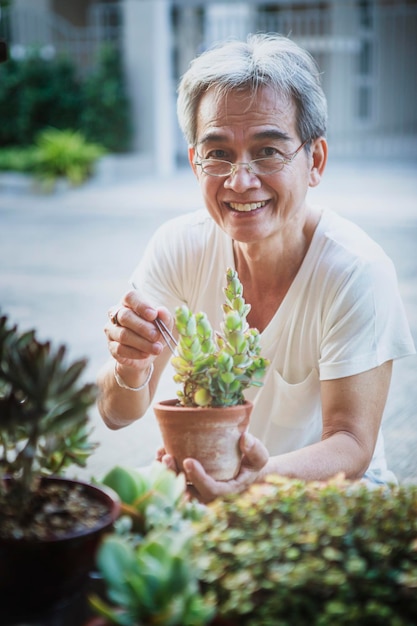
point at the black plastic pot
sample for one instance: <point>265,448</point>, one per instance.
<point>37,576</point>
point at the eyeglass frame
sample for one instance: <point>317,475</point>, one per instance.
<point>286,160</point>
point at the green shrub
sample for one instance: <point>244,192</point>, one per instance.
<point>18,159</point>
<point>36,93</point>
<point>64,153</point>
<point>316,554</point>
<point>105,116</point>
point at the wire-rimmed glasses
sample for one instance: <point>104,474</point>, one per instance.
<point>259,167</point>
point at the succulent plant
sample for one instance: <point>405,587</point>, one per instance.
<point>215,368</point>
<point>312,554</point>
<point>146,564</point>
<point>43,416</point>
<point>151,582</point>
<point>152,499</point>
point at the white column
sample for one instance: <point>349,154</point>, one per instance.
<point>163,90</point>
<point>147,51</point>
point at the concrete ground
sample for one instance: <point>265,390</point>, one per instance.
<point>65,259</point>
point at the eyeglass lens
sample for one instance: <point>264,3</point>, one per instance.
<point>268,165</point>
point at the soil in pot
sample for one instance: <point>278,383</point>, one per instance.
<point>209,434</point>
<point>48,563</point>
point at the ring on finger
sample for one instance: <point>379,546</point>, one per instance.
<point>113,317</point>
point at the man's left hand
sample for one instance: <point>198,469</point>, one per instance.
<point>203,487</point>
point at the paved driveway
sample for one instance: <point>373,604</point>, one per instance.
<point>66,258</point>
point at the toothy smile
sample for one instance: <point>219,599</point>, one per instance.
<point>249,206</point>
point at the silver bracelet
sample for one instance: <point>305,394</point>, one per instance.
<point>122,384</point>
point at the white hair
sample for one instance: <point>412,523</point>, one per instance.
<point>264,59</point>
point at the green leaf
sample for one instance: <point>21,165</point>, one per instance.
<point>114,558</point>
<point>127,483</point>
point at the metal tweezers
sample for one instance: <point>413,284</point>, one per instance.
<point>167,335</point>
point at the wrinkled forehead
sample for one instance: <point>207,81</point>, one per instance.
<point>244,105</point>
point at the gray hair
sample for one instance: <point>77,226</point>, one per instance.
<point>264,59</point>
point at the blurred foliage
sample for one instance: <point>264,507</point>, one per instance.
<point>312,554</point>
<point>43,418</point>
<point>105,116</point>
<point>36,93</point>
<point>55,154</point>
<point>18,159</point>
<point>64,153</point>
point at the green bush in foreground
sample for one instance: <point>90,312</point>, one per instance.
<point>289,553</point>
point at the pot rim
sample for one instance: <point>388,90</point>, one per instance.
<point>174,403</point>
<point>101,493</point>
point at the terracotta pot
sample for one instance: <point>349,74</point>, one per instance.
<point>38,575</point>
<point>210,435</point>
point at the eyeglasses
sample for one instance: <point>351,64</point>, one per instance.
<point>259,167</point>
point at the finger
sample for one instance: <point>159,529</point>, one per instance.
<point>133,300</point>
<point>132,320</point>
<point>165,315</point>
<point>133,333</point>
<point>255,455</point>
<point>159,454</point>
<point>205,488</point>
<point>169,462</point>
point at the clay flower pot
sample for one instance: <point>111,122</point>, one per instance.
<point>209,434</point>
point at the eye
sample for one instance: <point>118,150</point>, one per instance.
<point>218,153</point>
<point>269,151</point>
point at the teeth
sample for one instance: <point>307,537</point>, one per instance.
<point>249,206</point>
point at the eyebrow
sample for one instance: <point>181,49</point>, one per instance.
<point>271,133</point>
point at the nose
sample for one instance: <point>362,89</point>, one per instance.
<point>242,178</point>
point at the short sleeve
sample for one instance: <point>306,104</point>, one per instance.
<point>366,324</point>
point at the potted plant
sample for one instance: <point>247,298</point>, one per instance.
<point>210,414</point>
<point>146,566</point>
<point>50,525</point>
<point>312,554</point>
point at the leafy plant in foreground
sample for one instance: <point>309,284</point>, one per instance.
<point>43,416</point>
<point>146,565</point>
<point>152,499</point>
<point>312,554</point>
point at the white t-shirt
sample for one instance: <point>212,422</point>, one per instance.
<point>341,316</point>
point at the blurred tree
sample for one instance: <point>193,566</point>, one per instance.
<point>105,117</point>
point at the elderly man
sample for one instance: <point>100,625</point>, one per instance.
<point>322,293</point>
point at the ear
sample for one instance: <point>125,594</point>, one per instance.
<point>191,158</point>
<point>319,160</point>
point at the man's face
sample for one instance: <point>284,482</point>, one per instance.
<point>239,128</point>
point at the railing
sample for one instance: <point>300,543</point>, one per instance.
<point>29,30</point>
